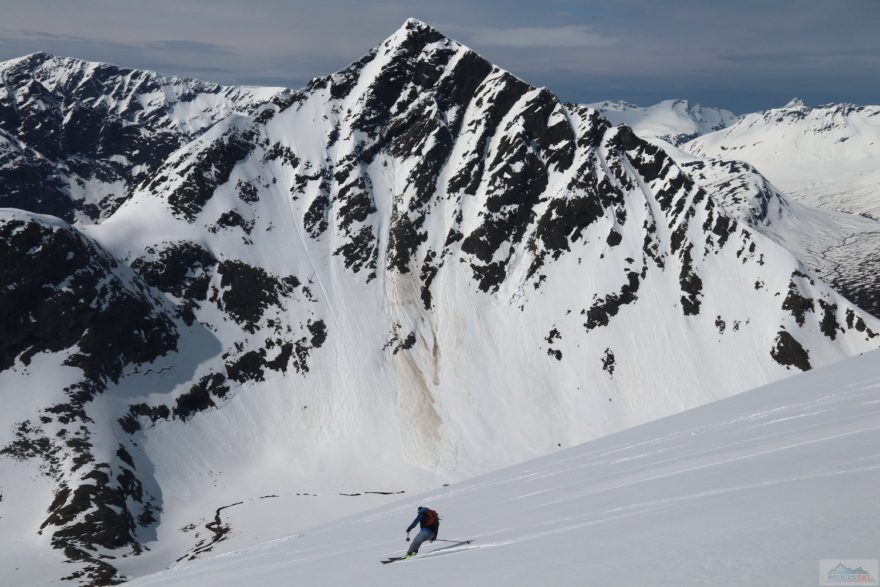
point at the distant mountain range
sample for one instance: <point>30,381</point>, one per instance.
<point>673,121</point>
<point>411,271</point>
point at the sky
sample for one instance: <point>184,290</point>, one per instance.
<point>744,55</point>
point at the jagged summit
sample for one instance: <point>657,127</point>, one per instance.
<point>795,103</point>
<point>83,134</point>
<point>416,24</point>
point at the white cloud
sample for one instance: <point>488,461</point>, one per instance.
<point>523,37</point>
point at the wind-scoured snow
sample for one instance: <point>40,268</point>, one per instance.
<point>750,490</point>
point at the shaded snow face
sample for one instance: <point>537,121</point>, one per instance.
<point>413,270</point>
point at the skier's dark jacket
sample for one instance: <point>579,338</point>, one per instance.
<point>422,520</point>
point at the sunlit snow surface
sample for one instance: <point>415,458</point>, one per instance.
<point>671,121</point>
<point>755,489</point>
<point>825,156</point>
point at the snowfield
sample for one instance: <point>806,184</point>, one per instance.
<point>824,156</point>
<point>672,121</point>
<point>755,489</point>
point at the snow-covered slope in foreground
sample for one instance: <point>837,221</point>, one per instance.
<point>755,489</point>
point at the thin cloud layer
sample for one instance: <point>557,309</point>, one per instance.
<point>744,55</point>
<point>526,37</point>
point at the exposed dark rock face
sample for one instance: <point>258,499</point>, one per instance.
<point>83,124</point>
<point>830,326</point>
<point>789,352</point>
<point>795,303</point>
<point>198,398</point>
<point>691,285</point>
<point>246,292</point>
<point>602,310</point>
<point>853,321</point>
<point>207,171</point>
<point>58,290</point>
<point>608,361</point>
<point>182,270</point>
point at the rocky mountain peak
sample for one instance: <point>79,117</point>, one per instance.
<point>407,260</point>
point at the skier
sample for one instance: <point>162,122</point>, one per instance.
<point>429,522</point>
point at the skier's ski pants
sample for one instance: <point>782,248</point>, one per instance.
<point>424,534</point>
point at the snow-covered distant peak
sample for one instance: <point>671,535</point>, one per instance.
<point>826,155</point>
<point>672,121</point>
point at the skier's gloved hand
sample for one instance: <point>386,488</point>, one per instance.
<point>407,536</point>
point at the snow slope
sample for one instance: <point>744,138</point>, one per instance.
<point>826,156</point>
<point>841,248</point>
<point>824,162</point>
<point>672,121</point>
<point>751,490</point>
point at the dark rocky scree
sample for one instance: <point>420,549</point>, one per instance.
<point>113,322</point>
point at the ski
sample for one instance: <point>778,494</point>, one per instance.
<point>455,544</point>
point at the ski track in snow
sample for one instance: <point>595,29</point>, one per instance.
<point>754,489</point>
